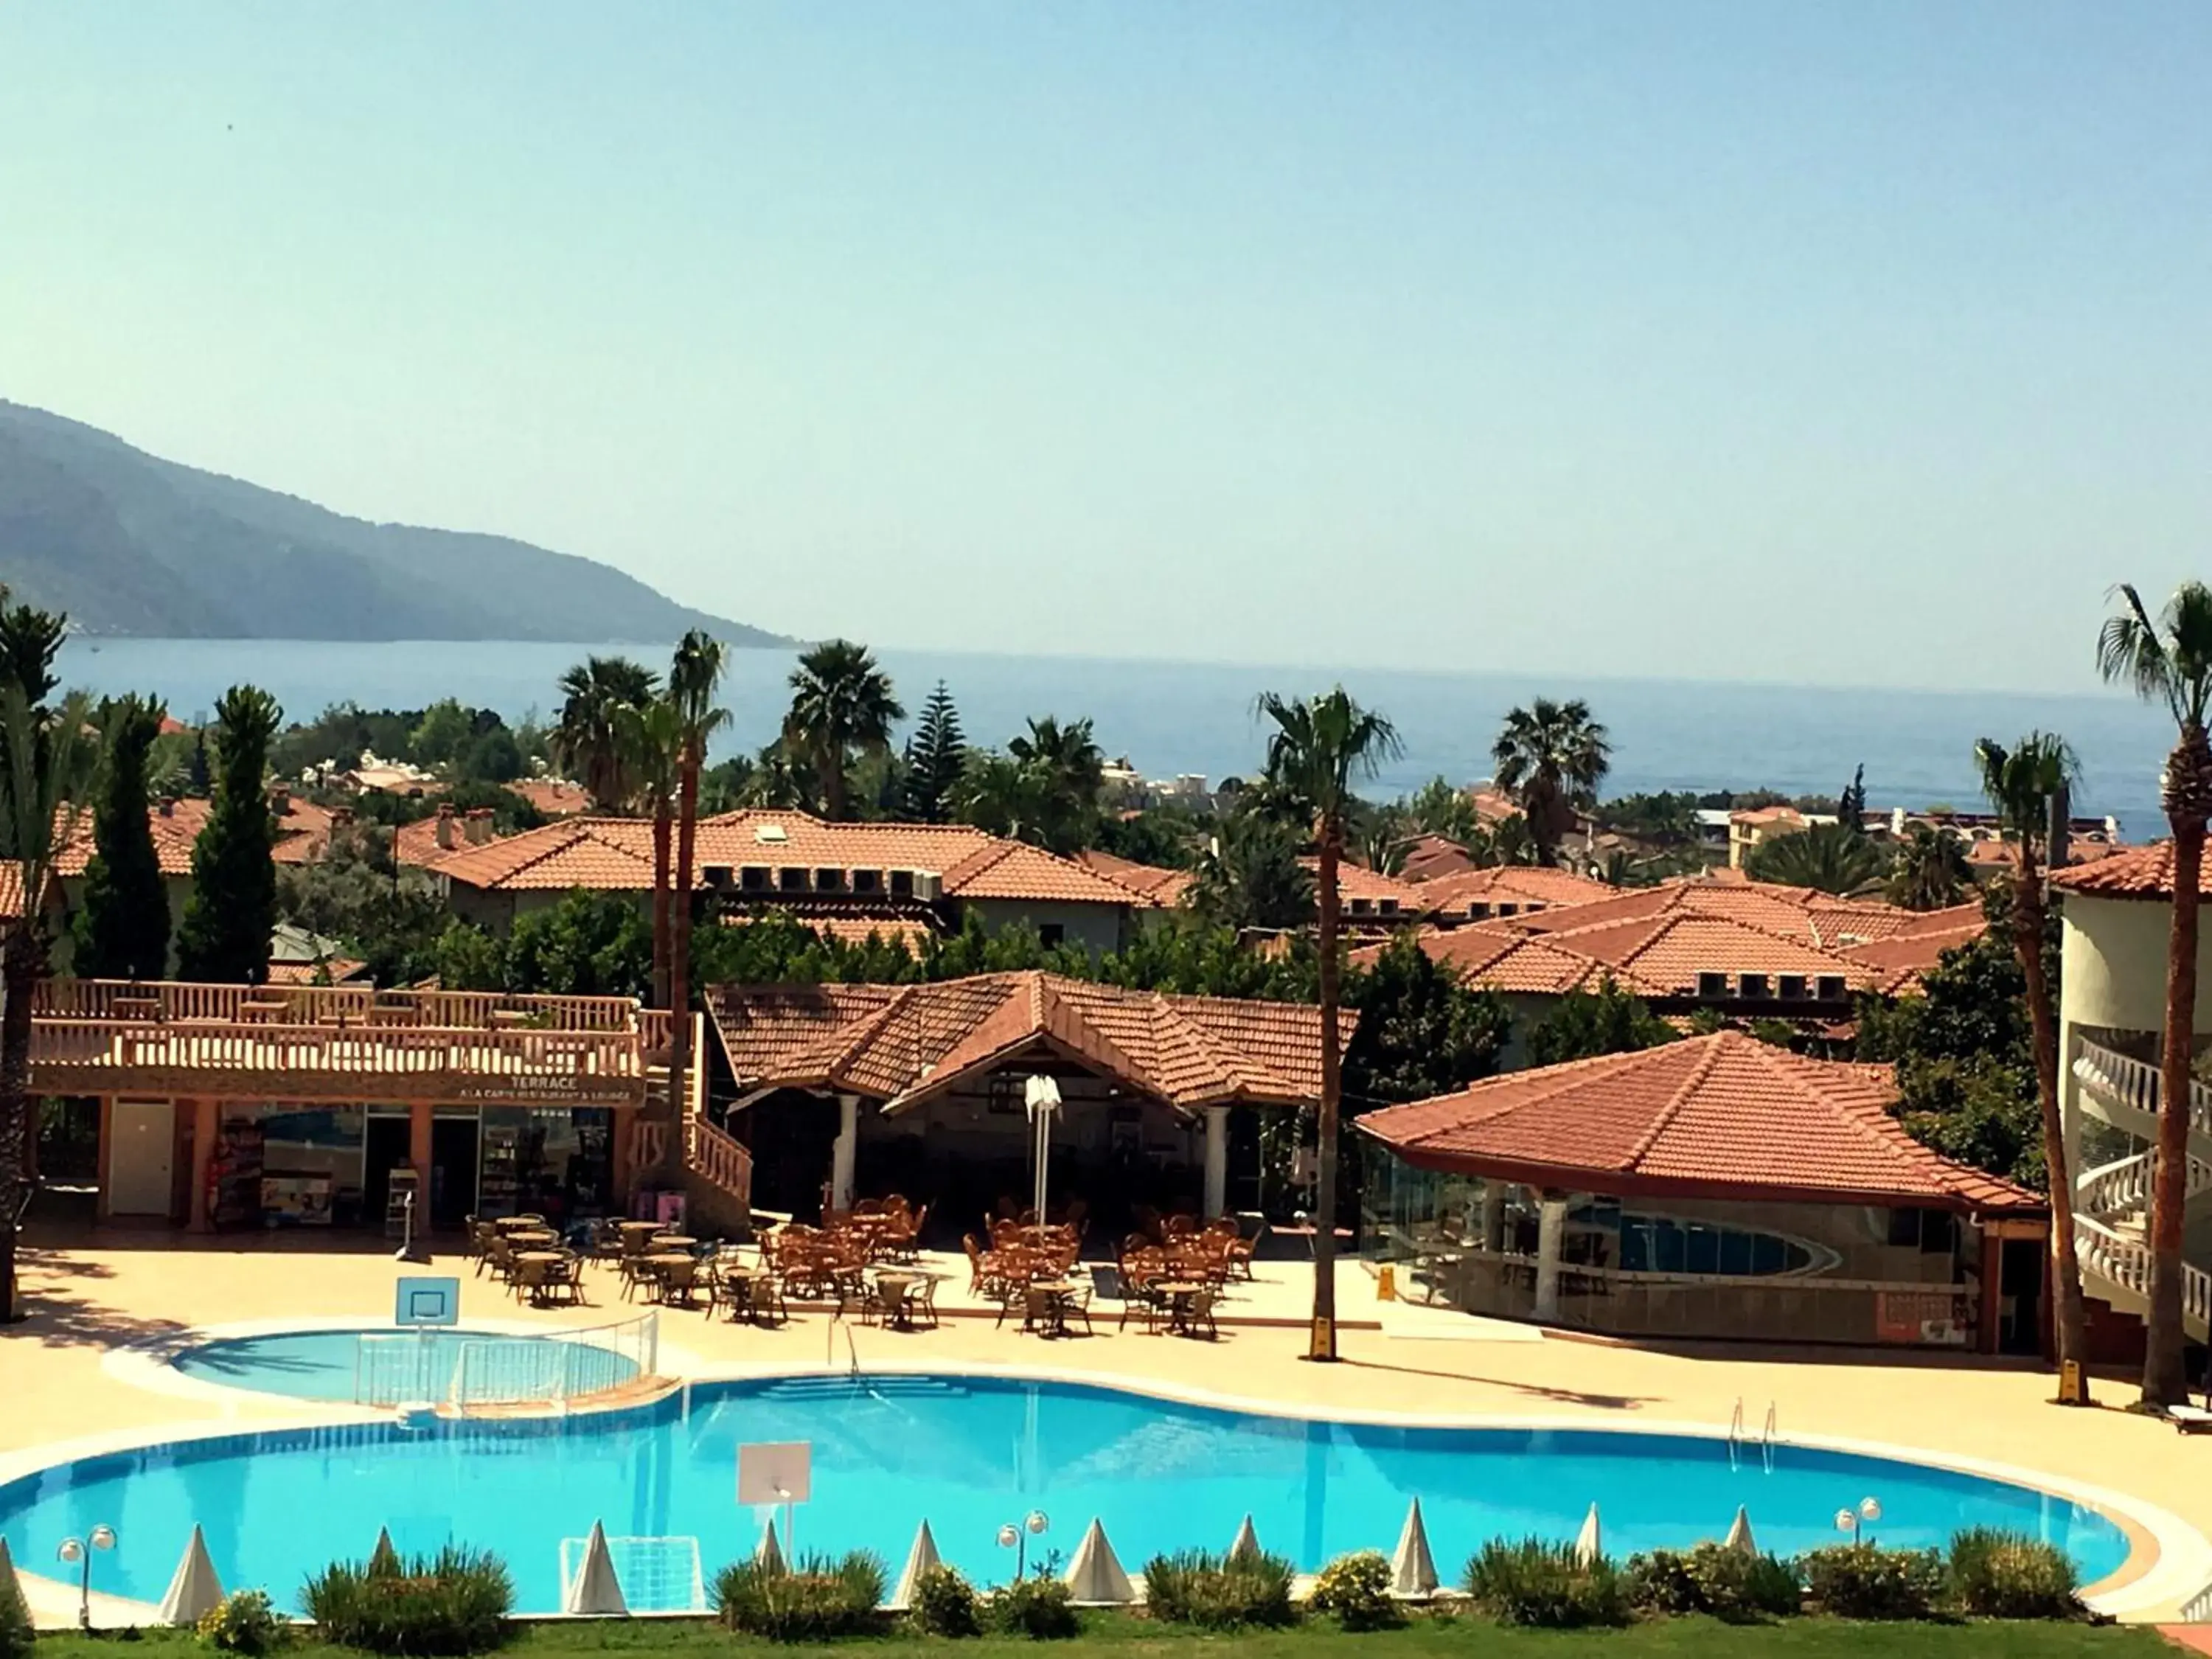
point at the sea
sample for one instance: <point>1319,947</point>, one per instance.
<point>1174,717</point>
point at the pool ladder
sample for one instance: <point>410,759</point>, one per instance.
<point>1739,1438</point>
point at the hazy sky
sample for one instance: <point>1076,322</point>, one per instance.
<point>1856,343</point>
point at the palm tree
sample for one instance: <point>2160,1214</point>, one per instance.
<point>587,740</point>
<point>2020,783</point>
<point>1551,757</point>
<point>1830,858</point>
<point>693,679</point>
<point>2169,660</point>
<point>841,700</point>
<point>1931,871</point>
<point>47,768</point>
<point>1250,876</point>
<point>1318,746</point>
<point>999,793</point>
<point>649,740</point>
<point>1071,770</point>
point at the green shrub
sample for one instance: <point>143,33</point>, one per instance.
<point>244,1622</point>
<point>1540,1583</point>
<point>813,1600</point>
<point>1863,1581</point>
<point>1218,1592</point>
<point>2008,1575</point>
<point>1042,1609</point>
<point>1356,1589</point>
<point>945,1604</point>
<point>455,1602</point>
<point>1716,1580</point>
<point>16,1632</point>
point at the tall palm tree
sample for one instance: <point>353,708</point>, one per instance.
<point>1931,871</point>
<point>693,679</point>
<point>649,742</point>
<point>47,770</point>
<point>588,738</point>
<point>1070,769</point>
<point>2169,660</point>
<point>841,700</point>
<point>1551,757</point>
<point>1830,858</point>
<point>1318,747</point>
<point>2020,783</point>
<point>1250,876</point>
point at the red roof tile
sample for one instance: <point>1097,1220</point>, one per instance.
<point>1900,959</point>
<point>302,830</point>
<point>903,1043</point>
<point>1429,857</point>
<point>2134,873</point>
<point>1516,884</point>
<point>1724,1115</point>
<point>1164,887</point>
<point>552,797</point>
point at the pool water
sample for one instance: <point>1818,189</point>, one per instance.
<point>970,1455</point>
<point>395,1365</point>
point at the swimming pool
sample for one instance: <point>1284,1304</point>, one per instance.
<point>970,1453</point>
<point>388,1367</point>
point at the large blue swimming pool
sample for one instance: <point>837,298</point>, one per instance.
<point>969,1454</point>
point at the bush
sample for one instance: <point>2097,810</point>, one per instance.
<point>1042,1609</point>
<point>945,1604</point>
<point>16,1632</point>
<point>1536,1582</point>
<point>244,1622</point>
<point>1862,1581</point>
<point>1355,1588</point>
<point>1220,1592</point>
<point>455,1602</point>
<point>1713,1579</point>
<point>2008,1575</point>
<point>813,1600</point>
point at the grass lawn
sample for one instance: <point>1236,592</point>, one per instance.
<point>1114,1637</point>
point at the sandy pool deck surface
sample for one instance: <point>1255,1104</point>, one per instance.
<point>104,1292</point>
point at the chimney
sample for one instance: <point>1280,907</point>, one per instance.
<point>448,831</point>
<point>476,827</point>
<point>167,806</point>
<point>2061,826</point>
<point>280,798</point>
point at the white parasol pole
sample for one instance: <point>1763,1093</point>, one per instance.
<point>1042,1095</point>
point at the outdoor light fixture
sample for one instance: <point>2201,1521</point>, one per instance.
<point>1017,1538</point>
<point>1853,1523</point>
<point>77,1551</point>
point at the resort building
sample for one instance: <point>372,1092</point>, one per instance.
<point>902,876</point>
<point>1716,1188</point>
<point>921,1090</point>
<point>2111,1009</point>
<point>1749,828</point>
<point>1508,890</point>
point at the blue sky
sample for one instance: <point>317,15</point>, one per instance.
<point>1863,344</point>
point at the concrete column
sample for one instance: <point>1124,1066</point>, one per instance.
<point>1551,1232</point>
<point>418,1147</point>
<point>842,1155</point>
<point>1216,1160</point>
<point>625,1126</point>
<point>102,1209</point>
<point>207,1116</point>
<point>1493,1214</point>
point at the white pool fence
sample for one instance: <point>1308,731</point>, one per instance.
<point>463,1369</point>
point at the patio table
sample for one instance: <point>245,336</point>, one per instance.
<point>1182,1294</point>
<point>1055,1293</point>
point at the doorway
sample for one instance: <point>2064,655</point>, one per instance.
<point>141,1158</point>
<point>454,1141</point>
<point>2019,1319</point>
<point>383,1149</point>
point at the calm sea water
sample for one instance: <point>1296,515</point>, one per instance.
<point>1176,717</point>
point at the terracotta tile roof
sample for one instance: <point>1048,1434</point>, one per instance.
<point>1493,806</point>
<point>1900,959</point>
<point>1724,1115</point>
<point>335,971</point>
<point>553,796</point>
<point>1515,884</point>
<point>2133,872</point>
<point>616,855</point>
<point>1161,886</point>
<point>851,923</point>
<point>1819,919</point>
<point>302,830</point>
<point>1428,857</point>
<point>903,1043</point>
<point>11,890</point>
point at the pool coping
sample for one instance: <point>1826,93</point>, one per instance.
<point>2169,1561</point>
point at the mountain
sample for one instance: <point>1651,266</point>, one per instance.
<point>126,543</point>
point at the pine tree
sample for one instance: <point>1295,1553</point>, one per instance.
<point>935,756</point>
<point>228,921</point>
<point>123,930</point>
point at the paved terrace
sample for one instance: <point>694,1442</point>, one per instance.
<point>91,1296</point>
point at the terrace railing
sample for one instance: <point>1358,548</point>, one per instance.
<point>2120,1079</point>
<point>167,1001</point>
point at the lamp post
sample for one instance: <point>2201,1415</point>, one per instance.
<point>1854,1523</point>
<point>77,1552</point>
<point>1017,1538</point>
<point>1043,1097</point>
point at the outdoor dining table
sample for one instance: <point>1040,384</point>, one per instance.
<point>896,1291</point>
<point>672,1242</point>
<point>1055,1293</point>
<point>531,1277</point>
<point>526,1239</point>
<point>661,1262</point>
<point>1181,1295</point>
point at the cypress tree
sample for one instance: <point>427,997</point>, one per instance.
<point>123,930</point>
<point>228,921</point>
<point>934,757</point>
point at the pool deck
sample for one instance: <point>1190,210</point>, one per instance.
<point>95,1297</point>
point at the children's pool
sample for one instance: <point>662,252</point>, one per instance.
<point>969,1454</point>
<point>386,1366</point>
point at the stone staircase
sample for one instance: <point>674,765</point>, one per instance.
<point>718,1170</point>
<point>2112,1203</point>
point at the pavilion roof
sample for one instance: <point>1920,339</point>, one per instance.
<point>1721,1117</point>
<point>901,1044</point>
